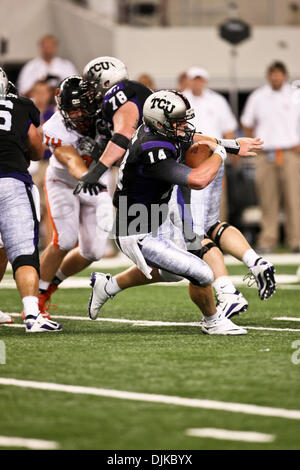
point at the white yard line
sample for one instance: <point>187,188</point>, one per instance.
<point>34,444</point>
<point>283,281</point>
<point>227,435</point>
<point>121,261</point>
<point>148,322</point>
<point>153,398</point>
<point>287,318</point>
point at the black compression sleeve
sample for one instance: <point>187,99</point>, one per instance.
<point>170,171</point>
<point>120,140</point>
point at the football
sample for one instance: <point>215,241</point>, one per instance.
<point>197,154</point>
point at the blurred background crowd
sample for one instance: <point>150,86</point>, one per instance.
<point>235,89</point>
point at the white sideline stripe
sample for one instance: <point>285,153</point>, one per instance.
<point>287,318</point>
<point>34,444</point>
<point>153,398</point>
<point>151,322</point>
<point>224,434</point>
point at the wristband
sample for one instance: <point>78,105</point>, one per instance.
<point>120,140</point>
<point>220,150</point>
<point>230,145</point>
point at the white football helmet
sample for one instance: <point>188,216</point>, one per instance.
<point>3,84</point>
<point>167,112</point>
<point>105,72</point>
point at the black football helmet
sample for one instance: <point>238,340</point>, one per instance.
<point>75,94</point>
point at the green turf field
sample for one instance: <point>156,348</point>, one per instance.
<point>171,360</point>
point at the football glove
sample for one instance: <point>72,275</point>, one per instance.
<point>90,181</point>
<point>90,148</point>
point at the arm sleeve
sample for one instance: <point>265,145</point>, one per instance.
<point>168,170</point>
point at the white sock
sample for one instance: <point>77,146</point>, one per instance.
<point>224,285</point>
<point>61,276</point>
<point>43,284</point>
<point>112,287</point>
<point>250,258</point>
<point>31,305</point>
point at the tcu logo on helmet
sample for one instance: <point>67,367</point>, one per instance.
<point>99,66</point>
<point>161,103</point>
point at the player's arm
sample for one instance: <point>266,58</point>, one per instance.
<point>68,156</point>
<point>198,178</point>
<point>125,122</point>
<point>34,144</point>
<point>244,146</point>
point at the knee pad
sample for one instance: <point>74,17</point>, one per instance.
<point>200,253</point>
<point>27,260</point>
<point>219,233</point>
<point>169,277</point>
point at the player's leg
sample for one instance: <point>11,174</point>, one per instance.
<point>232,241</point>
<point>4,317</point>
<point>3,260</point>
<point>203,207</point>
<point>95,223</point>
<point>64,210</point>
<point>164,253</point>
<point>19,228</point>
<point>229,298</point>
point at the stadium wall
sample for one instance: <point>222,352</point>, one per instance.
<point>162,52</point>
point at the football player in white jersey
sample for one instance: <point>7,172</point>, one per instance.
<point>81,223</point>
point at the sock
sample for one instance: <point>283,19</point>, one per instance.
<point>43,286</point>
<point>212,317</point>
<point>250,258</point>
<point>58,278</point>
<point>224,285</point>
<point>112,287</point>
<point>31,305</point>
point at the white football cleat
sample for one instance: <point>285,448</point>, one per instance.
<point>232,304</point>
<point>41,324</point>
<point>5,318</point>
<point>221,326</point>
<point>99,295</point>
<point>263,273</point>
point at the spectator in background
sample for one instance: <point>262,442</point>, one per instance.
<point>272,113</point>
<point>182,82</point>
<point>213,115</point>
<point>47,66</point>
<point>147,80</point>
<point>41,94</point>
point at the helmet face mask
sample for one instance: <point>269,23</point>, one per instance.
<point>3,84</point>
<point>167,112</point>
<point>104,72</point>
<point>76,102</point>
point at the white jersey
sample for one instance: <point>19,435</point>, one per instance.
<point>57,135</point>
